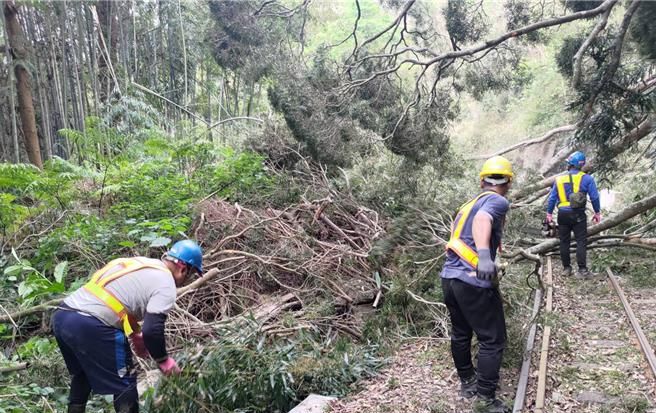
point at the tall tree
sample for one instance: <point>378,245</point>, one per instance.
<point>108,19</point>
<point>21,54</point>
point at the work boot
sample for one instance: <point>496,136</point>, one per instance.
<point>468,387</point>
<point>486,404</point>
<point>77,408</point>
<point>567,271</point>
<point>584,273</point>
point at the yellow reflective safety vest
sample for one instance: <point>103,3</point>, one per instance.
<point>561,180</point>
<point>457,245</point>
<point>98,282</point>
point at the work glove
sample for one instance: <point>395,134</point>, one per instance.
<point>549,218</point>
<point>486,269</point>
<point>169,367</point>
<point>596,218</point>
<point>139,346</point>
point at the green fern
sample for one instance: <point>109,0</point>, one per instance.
<point>17,176</point>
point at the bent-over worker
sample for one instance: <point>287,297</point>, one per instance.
<point>93,324</point>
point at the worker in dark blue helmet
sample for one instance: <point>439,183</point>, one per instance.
<point>93,324</point>
<point>570,191</point>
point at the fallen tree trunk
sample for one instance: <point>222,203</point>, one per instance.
<point>528,142</point>
<point>530,189</point>
<point>627,213</point>
<point>528,201</point>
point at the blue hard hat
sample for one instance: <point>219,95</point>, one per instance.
<point>188,252</point>
<point>577,159</point>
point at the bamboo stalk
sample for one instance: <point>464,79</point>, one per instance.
<point>145,89</point>
<point>184,56</point>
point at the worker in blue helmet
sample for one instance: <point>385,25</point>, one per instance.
<point>93,324</point>
<point>570,192</point>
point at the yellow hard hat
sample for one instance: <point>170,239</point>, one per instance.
<point>497,165</point>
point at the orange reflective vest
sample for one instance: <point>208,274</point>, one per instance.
<point>457,245</point>
<point>561,180</point>
<point>97,284</point>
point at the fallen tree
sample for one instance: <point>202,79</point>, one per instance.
<point>627,213</point>
<point>528,142</point>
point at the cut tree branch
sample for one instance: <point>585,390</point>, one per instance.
<point>17,367</point>
<point>157,95</point>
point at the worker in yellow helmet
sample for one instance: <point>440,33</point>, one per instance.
<point>93,324</point>
<point>468,284</point>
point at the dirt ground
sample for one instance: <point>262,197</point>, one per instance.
<point>420,379</point>
<point>594,364</point>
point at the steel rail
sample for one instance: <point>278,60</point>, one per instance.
<point>642,339</point>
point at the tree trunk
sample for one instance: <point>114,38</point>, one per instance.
<point>235,110</point>
<point>11,101</point>
<point>92,57</point>
<point>47,144</point>
<point>108,19</point>
<point>184,56</point>
<point>79,63</point>
<point>18,44</point>
<point>250,99</point>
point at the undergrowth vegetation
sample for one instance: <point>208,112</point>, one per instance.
<point>60,224</point>
<point>245,371</point>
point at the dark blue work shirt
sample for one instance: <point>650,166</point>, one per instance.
<point>496,206</point>
<point>587,186</point>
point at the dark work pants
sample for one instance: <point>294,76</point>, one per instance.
<point>99,358</point>
<point>476,310</point>
<point>576,221</point>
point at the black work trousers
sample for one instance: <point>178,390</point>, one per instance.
<point>573,220</point>
<point>476,310</point>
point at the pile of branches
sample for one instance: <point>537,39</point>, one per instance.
<point>315,251</point>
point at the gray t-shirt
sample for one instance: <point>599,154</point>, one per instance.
<point>146,290</point>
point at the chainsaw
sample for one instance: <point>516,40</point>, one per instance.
<point>549,229</point>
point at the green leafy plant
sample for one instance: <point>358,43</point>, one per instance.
<point>32,284</point>
<point>11,213</point>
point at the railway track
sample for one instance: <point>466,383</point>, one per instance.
<point>587,356</point>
